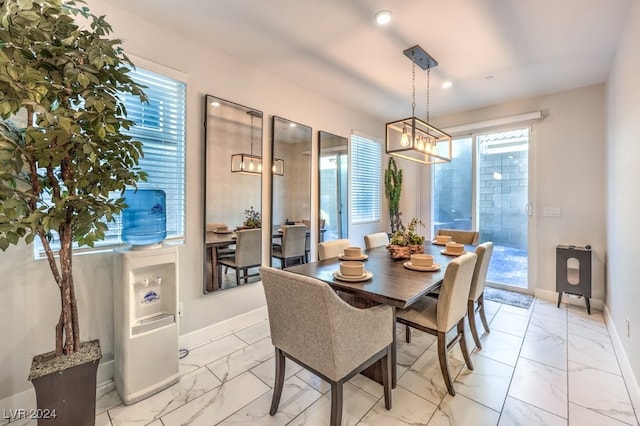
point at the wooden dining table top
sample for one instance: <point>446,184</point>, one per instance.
<point>392,283</point>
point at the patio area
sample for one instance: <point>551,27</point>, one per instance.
<point>508,266</point>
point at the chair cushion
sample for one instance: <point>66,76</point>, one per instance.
<point>423,312</point>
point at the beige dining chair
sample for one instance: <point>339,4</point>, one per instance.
<point>333,248</point>
<point>293,244</point>
<point>248,254</point>
<point>461,236</point>
<point>376,240</point>
<point>439,316</point>
<point>313,327</point>
<point>476,292</point>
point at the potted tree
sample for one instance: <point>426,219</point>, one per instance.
<point>60,70</point>
<point>393,189</point>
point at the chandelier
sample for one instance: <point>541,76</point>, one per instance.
<point>252,164</point>
<point>412,138</point>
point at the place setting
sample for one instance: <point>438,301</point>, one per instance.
<point>422,262</point>
<point>352,253</point>
<point>353,272</point>
<point>453,249</point>
<point>223,229</point>
<point>442,240</point>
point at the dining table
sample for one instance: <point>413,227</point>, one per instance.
<point>213,241</point>
<point>392,283</point>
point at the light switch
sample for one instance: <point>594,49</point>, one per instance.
<point>552,212</point>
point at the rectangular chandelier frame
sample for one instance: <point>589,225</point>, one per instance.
<point>416,140</point>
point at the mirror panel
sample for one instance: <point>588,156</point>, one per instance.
<point>333,168</point>
<point>291,191</point>
<point>233,141</point>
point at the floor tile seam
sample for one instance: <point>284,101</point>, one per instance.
<point>314,401</point>
<point>422,397</point>
<point>481,403</point>
<point>539,408</point>
<point>218,358</point>
<point>495,360</point>
<point>229,355</point>
<point>258,377</point>
<point>311,384</point>
<point>245,405</point>
<point>605,415</point>
<point>591,367</point>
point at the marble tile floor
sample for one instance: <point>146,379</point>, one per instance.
<point>537,366</point>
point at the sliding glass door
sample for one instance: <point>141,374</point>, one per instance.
<point>486,188</point>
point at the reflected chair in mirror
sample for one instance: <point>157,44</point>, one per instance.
<point>376,240</point>
<point>461,236</point>
<point>246,255</point>
<point>439,316</point>
<point>293,245</point>
<point>313,327</point>
<point>333,248</point>
<point>476,293</point>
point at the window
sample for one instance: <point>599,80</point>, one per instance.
<point>160,126</point>
<point>366,179</point>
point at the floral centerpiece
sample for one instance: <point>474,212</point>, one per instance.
<point>252,219</point>
<point>406,241</point>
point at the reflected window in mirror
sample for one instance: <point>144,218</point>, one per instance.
<point>232,187</point>
<point>334,186</point>
<point>291,189</point>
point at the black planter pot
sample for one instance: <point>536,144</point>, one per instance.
<point>66,387</point>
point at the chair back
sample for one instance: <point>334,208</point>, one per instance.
<point>479,280</point>
<point>333,248</point>
<point>454,293</point>
<point>248,247</point>
<point>293,240</point>
<point>306,317</point>
<point>461,236</point>
<point>376,240</point>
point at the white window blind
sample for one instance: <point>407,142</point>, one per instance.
<point>366,179</point>
<point>160,126</point>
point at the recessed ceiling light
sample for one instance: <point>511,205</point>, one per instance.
<point>292,124</point>
<point>383,17</point>
<point>447,84</point>
<point>215,104</point>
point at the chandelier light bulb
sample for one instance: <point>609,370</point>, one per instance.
<point>404,139</point>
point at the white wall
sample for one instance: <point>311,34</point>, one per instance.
<point>29,306</point>
<point>567,157</point>
<point>623,196</point>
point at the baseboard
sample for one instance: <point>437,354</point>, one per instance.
<point>207,334</point>
<point>627,373</point>
<point>18,401</point>
<point>552,296</point>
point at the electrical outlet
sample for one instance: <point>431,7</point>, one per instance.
<point>628,327</point>
<point>180,309</point>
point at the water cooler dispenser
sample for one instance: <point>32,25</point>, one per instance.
<point>146,321</point>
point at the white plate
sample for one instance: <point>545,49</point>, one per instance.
<point>366,276</point>
<point>363,257</point>
<point>438,243</point>
<point>448,253</point>
<point>432,268</point>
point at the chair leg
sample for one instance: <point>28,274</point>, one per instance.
<point>237,277</point>
<point>386,378</point>
<point>246,275</point>
<point>482,315</point>
<point>407,334</point>
<point>336,403</point>
<point>444,362</point>
<point>279,382</point>
<point>463,344</point>
<point>472,322</point>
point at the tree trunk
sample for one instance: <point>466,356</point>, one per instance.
<point>67,329</point>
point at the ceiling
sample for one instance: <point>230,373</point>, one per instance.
<point>492,50</point>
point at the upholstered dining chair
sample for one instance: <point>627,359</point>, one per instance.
<point>439,316</point>
<point>376,240</point>
<point>333,248</point>
<point>313,327</point>
<point>476,293</point>
<point>248,254</point>
<point>293,244</point>
<point>461,236</point>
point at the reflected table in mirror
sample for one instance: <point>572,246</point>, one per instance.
<point>213,242</point>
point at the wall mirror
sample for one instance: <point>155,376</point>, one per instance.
<point>291,189</point>
<point>333,168</point>
<point>233,186</point>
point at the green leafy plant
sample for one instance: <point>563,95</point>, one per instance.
<point>392,190</point>
<point>58,170</point>
<point>408,236</point>
<point>252,218</point>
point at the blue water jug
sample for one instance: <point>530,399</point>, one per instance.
<point>144,221</point>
